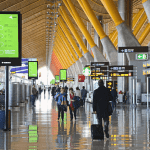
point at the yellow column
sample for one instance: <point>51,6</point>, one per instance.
<point>59,59</point>
<point>62,56</point>
<point>144,34</point>
<point>68,35</point>
<point>92,17</point>
<point>115,36</point>
<point>140,24</point>
<point>137,17</point>
<point>65,48</point>
<point>67,43</point>
<point>73,30</point>
<point>79,22</point>
<point>143,1</point>
<point>112,10</point>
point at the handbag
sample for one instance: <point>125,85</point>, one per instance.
<point>110,110</point>
<point>64,107</point>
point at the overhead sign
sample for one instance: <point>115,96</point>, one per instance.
<point>120,74</point>
<point>81,78</point>
<point>99,74</point>
<point>99,64</point>
<point>70,79</point>
<point>141,49</point>
<point>33,70</point>
<point>109,84</point>
<point>10,38</point>
<point>141,56</point>
<point>56,78</point>
<point>23,68</point>
<point>86,71</point>
<point>52,81</point>
<point>120,68</point>
<point>63,75</point>
<point>99,77</point>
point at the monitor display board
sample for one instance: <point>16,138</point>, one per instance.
<point>63,75</point>
<point>32,69</point>
<point>56,78</point>
<point>10,38</point>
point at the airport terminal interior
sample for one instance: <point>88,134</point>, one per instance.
<point>46,44</point>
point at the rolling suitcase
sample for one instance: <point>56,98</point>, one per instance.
<point>96,129</point>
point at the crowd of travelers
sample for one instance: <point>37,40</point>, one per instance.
<point>74,99</point>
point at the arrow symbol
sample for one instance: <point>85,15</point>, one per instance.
<point>122,50</point>
<point>11,17</point>
<point>139,56</point>
<point>111,68</point>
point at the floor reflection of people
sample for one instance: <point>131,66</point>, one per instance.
<point>61,140</point>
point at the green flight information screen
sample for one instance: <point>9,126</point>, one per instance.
<point>9,45</point>
<point>56,78</point>
<point>63,74</point>
<point>32,69</point>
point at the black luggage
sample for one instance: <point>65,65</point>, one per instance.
<point>97,132</point>
<point>96,129</point>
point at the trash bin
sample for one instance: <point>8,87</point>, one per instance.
<point>2,119</point>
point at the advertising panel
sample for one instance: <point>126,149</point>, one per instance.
<point>63,75</point>
<point>56,78</point>
<point>33,70</point>
<point>81,78</point>
<point>10,38</point>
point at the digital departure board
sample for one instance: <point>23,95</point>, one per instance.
<point>10,38</point>
<point>63,75</point>
<point>32,69</point>
<point>56,78</point>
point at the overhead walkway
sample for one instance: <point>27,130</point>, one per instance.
<point>129,128</point>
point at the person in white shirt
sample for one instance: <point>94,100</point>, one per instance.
<point>78,92</point>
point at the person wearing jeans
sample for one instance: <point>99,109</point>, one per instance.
<point>34,92</point>
<point>61,101</point>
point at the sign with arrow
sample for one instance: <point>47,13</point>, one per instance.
<point>142,56</point>
<point>117,68</point>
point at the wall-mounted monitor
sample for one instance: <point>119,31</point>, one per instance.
<point>32,69</point>
<point>10,38</point>
<point>63,75</point>
<point>56,78</point>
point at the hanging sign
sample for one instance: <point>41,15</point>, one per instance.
<point>63,75</point>
<point>141,56</point>
<point>10,38</point>
<point>81,78</point>
<point>56,78</point>
<point>86,71</point>
<point>33,70</point>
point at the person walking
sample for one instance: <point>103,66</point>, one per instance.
<point>34,94</point>
<point>49,88</point>
<point>114,95</point>
<point>78,92</point>
<point>53,92</point>
<point>83,94</point>
<point>61,101</point>
<point>71,108</point>
<point>101,98</point>
<point>44,90</point>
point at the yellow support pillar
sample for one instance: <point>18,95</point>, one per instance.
<point>79,22</point>
<point>112,10</point>
<point>59,56</point>
<point>63,54</point>
<point>114,37</point>
<point>137,17</point>
<point>67,43</point>
<point>143,1</point>
<point>63,65</point>
<point>70,38</point>
<point>144,34</point>
<point>140,24</point>
<point>65,48</point>
<point>94,21</point>
<point>73,30</point>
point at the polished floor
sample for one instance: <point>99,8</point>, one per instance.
<point>129,128</point>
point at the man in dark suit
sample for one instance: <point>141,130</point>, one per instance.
<point>101,98</point>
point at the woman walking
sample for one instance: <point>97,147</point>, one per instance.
<point>61,103</point>
<point>71,108</point>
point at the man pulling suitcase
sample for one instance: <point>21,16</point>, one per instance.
<point>102,108</point>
